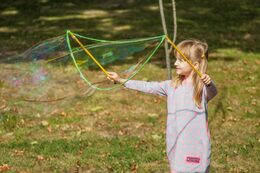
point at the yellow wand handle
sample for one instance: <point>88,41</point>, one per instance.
<point>188,61</point>
<point>91,56</point>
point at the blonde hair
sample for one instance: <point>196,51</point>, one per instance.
<point>195,51</point>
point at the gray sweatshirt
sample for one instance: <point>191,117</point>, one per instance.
<point>187,135</point>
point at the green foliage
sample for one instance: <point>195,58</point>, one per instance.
<point>9,122</point>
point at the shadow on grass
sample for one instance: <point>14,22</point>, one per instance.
<point>220,109</point>
<point>221,24</point>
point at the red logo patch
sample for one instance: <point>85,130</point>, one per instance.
<point>193,159</point>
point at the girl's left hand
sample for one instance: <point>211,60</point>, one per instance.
<point>206,79</point>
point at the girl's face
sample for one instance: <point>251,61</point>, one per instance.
<point>182,67</point>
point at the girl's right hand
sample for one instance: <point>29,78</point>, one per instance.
<point>114,77</point>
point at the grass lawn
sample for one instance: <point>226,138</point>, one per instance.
<point>123,130</point>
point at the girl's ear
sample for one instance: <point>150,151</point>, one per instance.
<point>196,64</point>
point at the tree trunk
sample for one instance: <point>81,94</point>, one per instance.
<point>166,45</point>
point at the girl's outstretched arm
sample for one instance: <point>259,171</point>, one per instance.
<point>211,89</point>
<point>158,88</point>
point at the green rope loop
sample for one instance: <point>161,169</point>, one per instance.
<point>162,38</point>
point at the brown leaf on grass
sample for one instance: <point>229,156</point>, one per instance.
<point>3,106</point>
<point>9,135</point>
<point>229,108</point>
<point>245,62</point>
<point>34,142</point>
<point>251,77</point>
<point>156,137</point>
<point>96,109</point>
<point>134,168</point>
<point>22,122</point>
<point>59,112</point>
<point>254,102</point>
<point>64,114</point>
<point>87,129</point>
<point>153,115</point>
<point>116,120</point>
<point>79,133</point>
<point>155,100</point>
<point>18,152</point>
<point>80,83</point>
<point>16,110</point>
<point>65,127</point>
<point>39,158</point>
<point>105,112</point>
<point>76,169</point>
<point>232,119</point>
<point>49,129</point>
<point>4,167</point>
<point>55,111</point>
<point>44,123</point>
<point>251,90</point>
<point>138,125</point>
<point>38,115</point>
<point>5,109</point>
<point>121,132</point>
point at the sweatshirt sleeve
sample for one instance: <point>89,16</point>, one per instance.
<point>157,88</point>
<point>211,91</point>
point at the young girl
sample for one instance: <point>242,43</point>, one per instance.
<point>187,136</point>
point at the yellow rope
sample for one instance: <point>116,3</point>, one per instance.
<point>188,61</point>
<point>91,56</point>
<point>81,62</point>
<point>55,58</point>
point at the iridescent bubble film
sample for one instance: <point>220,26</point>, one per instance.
<point>58,67</point>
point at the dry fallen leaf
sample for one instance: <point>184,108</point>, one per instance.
<point>156,137</point>
<point>4,167</point>
<point>34,142</point>
<point>19,152</point>
<point>40,158</point>
<point>153,115</point>
<point>44,123</point>
<point>134,168</point>
<point>3,106</point>
<point>49,129</point>
<point>64,114</point>
<point>121,132</point>
<point>96,109</point>
<point>229,108</point>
